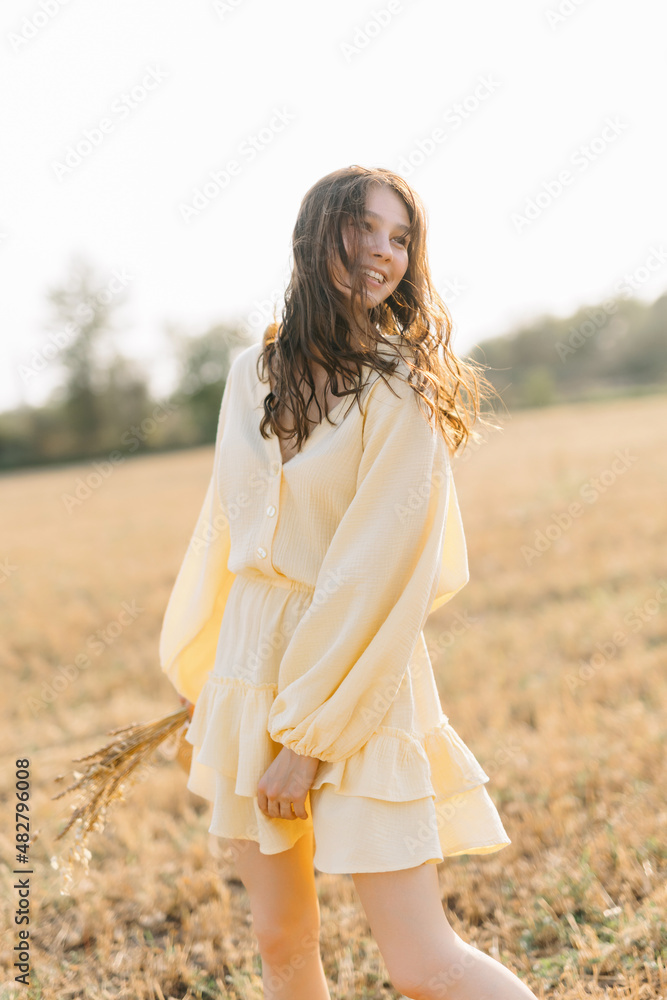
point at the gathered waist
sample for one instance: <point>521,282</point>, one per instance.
<point>251,574</point>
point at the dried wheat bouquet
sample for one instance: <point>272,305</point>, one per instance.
<point>110,771</point>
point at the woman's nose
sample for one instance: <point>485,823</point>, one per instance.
<point>382,246</point>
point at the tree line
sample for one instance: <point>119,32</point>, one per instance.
<point>103,403</point>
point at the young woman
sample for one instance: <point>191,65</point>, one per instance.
<point>327,536</point>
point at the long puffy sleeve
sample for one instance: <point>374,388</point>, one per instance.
<point>192,620</point>
<point>395,556</point>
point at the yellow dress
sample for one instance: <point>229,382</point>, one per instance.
<point>297,618</point>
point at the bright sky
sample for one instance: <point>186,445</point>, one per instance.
<point>483,106</point>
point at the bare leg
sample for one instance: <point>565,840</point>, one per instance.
<point>286,918</point>
<point>425,957</point>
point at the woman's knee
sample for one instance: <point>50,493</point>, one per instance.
<point>422,975</point>
<point>287,940</point>
<point>436,977</point>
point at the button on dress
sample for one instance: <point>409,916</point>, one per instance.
<point>296,619</point>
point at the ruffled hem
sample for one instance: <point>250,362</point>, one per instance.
<point>391,835</point>
<point>230,730</point>
<point>404,834</point>
<point>418,798</point>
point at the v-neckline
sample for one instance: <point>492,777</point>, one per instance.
<point>276,439</point>
<point>273,442</point>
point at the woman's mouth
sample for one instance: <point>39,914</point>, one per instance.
<point>374,278</point>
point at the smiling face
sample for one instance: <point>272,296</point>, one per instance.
<point>380,245</point>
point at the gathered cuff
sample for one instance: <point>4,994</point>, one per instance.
<point>230,729</point>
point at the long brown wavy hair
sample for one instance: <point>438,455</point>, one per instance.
<point>317,319</point>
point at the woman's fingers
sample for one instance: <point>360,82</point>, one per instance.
<point>262,801</point>
<point>286,783</point>
<point>280,807</point>
<point>274,808</point>
<point>299,810</point>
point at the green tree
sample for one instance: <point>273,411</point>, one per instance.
<point>83,311</point>
<point>203,365</point>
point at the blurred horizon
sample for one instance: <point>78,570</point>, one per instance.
<point>530,137</point>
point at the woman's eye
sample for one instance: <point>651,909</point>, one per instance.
<point>404,241</point>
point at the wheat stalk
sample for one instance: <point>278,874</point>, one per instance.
<point>108,773</point>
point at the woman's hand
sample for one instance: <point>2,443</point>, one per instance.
<point>286,781</point>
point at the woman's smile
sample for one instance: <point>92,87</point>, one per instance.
<point>373,278</point>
